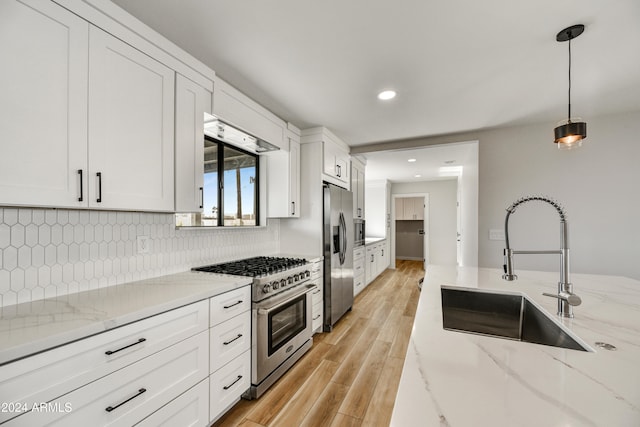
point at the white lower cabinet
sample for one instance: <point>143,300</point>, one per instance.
<point>358,269</point>
<point>230,349</point>
<point>129,395</point>
<point>184,367</point>
<point>317,296</point>
<point>190,409</point>
<point>376,260</point>
<point>228,383</point>
<point>73,365</point>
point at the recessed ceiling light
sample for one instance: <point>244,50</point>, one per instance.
<point>411,160</point>
<point>417,176</point>
<point>385,95</point>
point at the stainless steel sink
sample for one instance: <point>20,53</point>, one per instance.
<point>502,315</point>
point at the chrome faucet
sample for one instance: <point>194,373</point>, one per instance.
<point>566,298</point>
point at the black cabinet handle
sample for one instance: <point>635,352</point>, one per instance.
<point>99,175</point>
<point>110,352</point>
<point>201,197</point>
<point>317,317</point>
<point>229,342</point>
<point>111,408</point>
<point>232,305</point>
<point>227,387</point>
<point>293,208</point>
<point>81,190</point>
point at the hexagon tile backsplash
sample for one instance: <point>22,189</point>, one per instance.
<point>50,252</point>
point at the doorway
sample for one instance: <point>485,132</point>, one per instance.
<point>410,226</point>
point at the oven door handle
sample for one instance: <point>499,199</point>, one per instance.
<point>266,310</point>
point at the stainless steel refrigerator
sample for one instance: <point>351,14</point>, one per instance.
<point>338,254</point>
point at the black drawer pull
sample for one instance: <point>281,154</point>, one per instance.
<point>232,305</point>
<point>229,342</point>
<point>316,292</point>
<point>109,352</point>
<point>317,317</point>
<point>111,408</point>
<point>99,199</point>
<point>81,190</point>
<point>227,387</point>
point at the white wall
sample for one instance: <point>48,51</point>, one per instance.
<point>598,184</point>
<point>374,208</point>
<point>50,252</point>
<point>442,216</point>
<point>469,188</point>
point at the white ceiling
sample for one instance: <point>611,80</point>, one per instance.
<point>457,65</point>
<point>432,163</point>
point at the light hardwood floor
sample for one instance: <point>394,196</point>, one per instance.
<point>350,376</point>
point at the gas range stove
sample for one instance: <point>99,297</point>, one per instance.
<point>271,275</point>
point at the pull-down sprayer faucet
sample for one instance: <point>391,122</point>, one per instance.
<point>566,298</point>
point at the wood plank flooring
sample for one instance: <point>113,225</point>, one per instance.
<point>350,376</point>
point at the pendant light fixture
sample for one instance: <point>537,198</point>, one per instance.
<point>570,133</point>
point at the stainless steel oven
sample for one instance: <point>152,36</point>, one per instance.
<point>358,231</point>
<point>280,311</point>
<point>282,335</point>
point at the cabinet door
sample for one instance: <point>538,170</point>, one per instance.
<point>294,178</point>
<point>131,131</point>
<point>360,196</point>
<point>43,107</point>
<point>329,157</point>
<point>418,208</point>
<point>192,101</point>
<point>400,208</point>
<point>383,257</point>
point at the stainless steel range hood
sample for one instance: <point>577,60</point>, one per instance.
<point>218,129</point>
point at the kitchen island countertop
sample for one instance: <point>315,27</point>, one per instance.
<point>36,326</point>
<point>457,379</point>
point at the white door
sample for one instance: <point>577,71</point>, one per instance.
<point>131,127</point>
<point>192,101</point>
<point>43,106</point>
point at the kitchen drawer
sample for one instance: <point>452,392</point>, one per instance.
<point>230,304</point>
<point>316,296</point>
<point>358,253</point>
<point>316,316</point>
<point>191,408</point>
<point>316,269</point>
<point>229,339</point>
<point>129,395</point>
<point>358,284</point>
<point>45,376</point>
<point>228,384</point>
<point>358,267</point>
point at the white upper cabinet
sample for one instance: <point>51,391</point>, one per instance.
<point>335,156</point>
<point>43,106</point>
<point>192,101</point>
<point>236,109</point>
<point>87,120</point>
<point>410,208</point>
<point>357,187</point>
<point>283,179</point>
<point>131,127</point>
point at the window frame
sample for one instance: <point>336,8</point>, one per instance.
<point>256,192</point>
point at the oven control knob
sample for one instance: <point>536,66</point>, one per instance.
<point>296,277</point>
<point>307,273</point>
<point>290,279</point>
<point>266,288</point>
<point>275,285</point>
<point>283,283</point>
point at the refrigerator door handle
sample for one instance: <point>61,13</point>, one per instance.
<point>343,239</point>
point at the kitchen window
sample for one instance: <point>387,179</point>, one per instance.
<point>230,192</point>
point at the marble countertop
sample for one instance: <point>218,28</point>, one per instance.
<point>372,240</point>
<point>32,327</point>
<point>457,379</point>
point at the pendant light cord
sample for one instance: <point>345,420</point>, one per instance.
<point>569,112</point>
